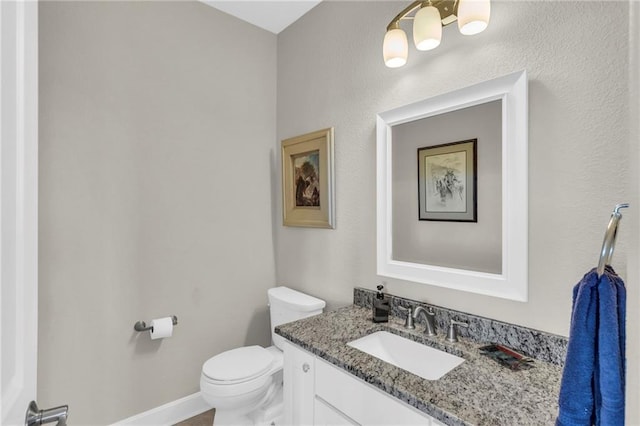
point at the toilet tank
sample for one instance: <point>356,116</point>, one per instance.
<point>287,305</point>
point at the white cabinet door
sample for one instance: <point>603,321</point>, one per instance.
<point>326,415</point>
<point>299,386</point>
<point>318,393</point>
<point>362,402</point>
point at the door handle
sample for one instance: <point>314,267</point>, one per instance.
<point>36,417</point>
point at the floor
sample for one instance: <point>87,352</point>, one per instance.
<point>204,419</point>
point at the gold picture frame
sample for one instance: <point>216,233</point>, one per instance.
<point>308,180</point>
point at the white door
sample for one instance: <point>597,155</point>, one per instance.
<point>18,207</point>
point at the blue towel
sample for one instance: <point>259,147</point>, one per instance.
<point>610,359</point>
<point>592,389</point>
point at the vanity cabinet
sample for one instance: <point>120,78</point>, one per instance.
<point>319,393</point>
<point>299,386</point>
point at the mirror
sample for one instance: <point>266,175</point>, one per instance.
<point>452,190</point>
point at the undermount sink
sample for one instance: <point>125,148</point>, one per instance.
<point>421,360</point>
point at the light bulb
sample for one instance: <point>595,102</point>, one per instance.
<point>395,48</point>
<point>427,28</point>
<point>473,16</point>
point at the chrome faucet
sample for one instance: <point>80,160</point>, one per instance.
<point>430,315</point>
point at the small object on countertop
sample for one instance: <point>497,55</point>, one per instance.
<point>507,357</point>
<point>381,306</point>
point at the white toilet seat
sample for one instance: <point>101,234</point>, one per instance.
<point>240,371</point>
<point>238,365</point>
<point>221,390</point>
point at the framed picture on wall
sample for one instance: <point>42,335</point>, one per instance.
<point>447,182</point>
<point>307,180</point>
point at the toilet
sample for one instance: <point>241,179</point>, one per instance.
<point>244,385</point>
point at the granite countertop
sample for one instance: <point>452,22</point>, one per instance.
<point>478,392</point>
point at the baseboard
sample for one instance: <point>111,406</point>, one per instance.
<point>169,413</point>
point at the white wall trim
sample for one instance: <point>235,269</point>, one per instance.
<point>169,413</point>
<point>18,208</point>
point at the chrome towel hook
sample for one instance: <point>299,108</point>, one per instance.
<point>609,242</point>
<point>142,326</point>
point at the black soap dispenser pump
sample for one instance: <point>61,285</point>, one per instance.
<point>381,306</point>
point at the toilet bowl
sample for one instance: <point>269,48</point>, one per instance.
<point>244,385</point>
<point>240,381</point>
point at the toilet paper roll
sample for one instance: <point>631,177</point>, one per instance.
<point>162,327</point>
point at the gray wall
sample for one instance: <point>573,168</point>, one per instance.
<point>475,246</point>
<point>156,137</point>
<point>330,73</point>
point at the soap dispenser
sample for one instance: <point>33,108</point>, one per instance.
<point>381,306</point>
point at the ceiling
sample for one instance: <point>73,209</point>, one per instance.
<point>273,16</point>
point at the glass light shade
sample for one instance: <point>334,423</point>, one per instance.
<point>427,28</point>
<point>395,48</point>
<point>473,16</point>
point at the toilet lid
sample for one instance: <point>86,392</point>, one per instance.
<point>238,364</point>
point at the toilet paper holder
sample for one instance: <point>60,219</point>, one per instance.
<point>142,326</point>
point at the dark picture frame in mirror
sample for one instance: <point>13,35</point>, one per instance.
<point>447,182</point>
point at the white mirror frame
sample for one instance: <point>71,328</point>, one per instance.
<point>512,283</point>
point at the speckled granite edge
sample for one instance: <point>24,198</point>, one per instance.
<point>534,343</point>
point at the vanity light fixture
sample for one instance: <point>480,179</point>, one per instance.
<point>429,18</point>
